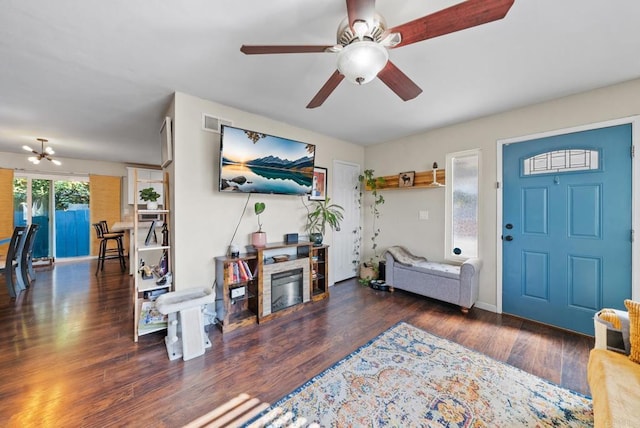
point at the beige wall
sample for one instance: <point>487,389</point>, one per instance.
<point>399,222</point>
<point>204,219</point>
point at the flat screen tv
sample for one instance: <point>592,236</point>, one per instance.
<point>254,162</point>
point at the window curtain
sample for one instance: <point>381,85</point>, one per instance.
<point>6,206</point>
<point>105,203</point>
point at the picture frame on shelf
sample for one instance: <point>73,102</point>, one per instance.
<point>319,184</point>
<point>406,179</point>
<point>166,142</point>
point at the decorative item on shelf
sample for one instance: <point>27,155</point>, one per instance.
<point>150,196</point>
<point>259,238</point>
<point>163,264</point>
<point>165,235</point>
<point>405,179</point>
<point>435,180</point>
<point>234,251</point>
<point>146,272</point>
<point>280,258</point>
<point>319,215</point>
<point>165,279</point>
<point>291,238</point>
<point>151,234</point>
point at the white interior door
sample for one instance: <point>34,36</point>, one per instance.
<point>345,194</point>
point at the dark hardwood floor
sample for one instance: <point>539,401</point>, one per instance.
<point>68,356</point>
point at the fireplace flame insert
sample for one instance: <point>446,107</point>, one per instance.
<point>286,289</point>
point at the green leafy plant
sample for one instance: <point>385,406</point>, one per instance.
<point>148,194</point>
<point>259,208</point>
<point>323,213</point>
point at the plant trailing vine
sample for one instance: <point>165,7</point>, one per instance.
<point>369,182</point>
<point>357,231</point>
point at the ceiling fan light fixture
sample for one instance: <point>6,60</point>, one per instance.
<point>45,153</point>
<point>360,62</point>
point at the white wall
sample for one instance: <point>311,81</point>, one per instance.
<point>399,222</point>
<point>204,219</point>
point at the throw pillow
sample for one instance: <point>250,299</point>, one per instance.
<point>634,329</point>
<point>402,255</point>
<point>610,316</point>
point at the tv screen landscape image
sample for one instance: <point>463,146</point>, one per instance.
<point>254,162</point>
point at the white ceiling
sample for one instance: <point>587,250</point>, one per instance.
<point>95,77</point>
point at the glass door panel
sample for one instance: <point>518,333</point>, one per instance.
<point>72,218</point>
<point>41,215</point>
<point>60,207</point>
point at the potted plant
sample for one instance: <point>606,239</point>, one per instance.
<point>259,238</point>
<point>150,196</point>
<point>369,268</point>
<point>321,214</point>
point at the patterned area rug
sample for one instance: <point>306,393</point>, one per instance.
<point>407,377</point>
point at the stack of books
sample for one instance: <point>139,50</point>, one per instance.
<point>239,271</point>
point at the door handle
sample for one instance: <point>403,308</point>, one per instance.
<point>508,238</point>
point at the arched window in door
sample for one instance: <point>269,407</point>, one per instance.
<point>561,161</point>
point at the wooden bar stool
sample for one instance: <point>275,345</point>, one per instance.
<point>106,252</point>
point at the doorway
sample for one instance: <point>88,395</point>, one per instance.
<point>60,206</point>
<point>567,225</point>
<point>346,194</point>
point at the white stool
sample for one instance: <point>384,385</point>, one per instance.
<point>189,304</point>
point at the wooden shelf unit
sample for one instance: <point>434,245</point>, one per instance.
<point>234,313</point>
<point>421,180</point>
<point>319,272</point>
<point>240,311</point>
<point>151,253</point>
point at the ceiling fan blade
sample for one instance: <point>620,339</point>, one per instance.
<point>455,18</point>
<point>284,49</point>
<point>326,90</point>
<point>363,10</point>
<point>398,82</point>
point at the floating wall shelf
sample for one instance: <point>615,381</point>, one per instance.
<point>422,180</point>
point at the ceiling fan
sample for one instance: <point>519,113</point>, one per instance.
<point>363,41</point>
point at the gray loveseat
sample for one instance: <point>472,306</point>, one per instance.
<point>449,283</point>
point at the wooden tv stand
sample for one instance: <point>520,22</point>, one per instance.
<point>246,296</point>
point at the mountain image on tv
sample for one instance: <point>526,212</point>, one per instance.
<point>261,163</point>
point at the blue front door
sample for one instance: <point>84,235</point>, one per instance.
<point>567,226</point>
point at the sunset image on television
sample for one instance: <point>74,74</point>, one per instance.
<point>253,162</point>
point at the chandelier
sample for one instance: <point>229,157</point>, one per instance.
<point>45,153</point>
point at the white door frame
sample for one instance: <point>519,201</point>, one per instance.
<point>635,195</point>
